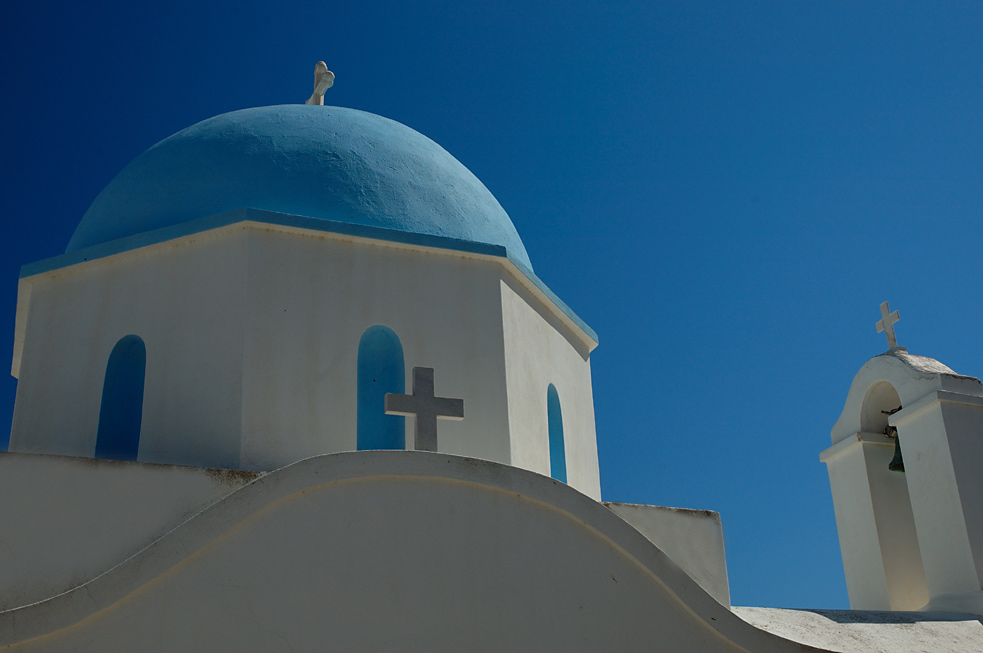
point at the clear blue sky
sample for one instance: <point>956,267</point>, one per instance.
<point>724,191</point>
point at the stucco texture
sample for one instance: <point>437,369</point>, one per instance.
<point>910,541</point>
<point>252,333</point>
<point>64,521</point>
<point>393,550</point>
<point>329,163</point>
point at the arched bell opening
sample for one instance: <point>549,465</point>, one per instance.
<point>880,402</point>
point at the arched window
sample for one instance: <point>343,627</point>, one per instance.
<point>380,370</point>
<point>118,437</point>
<point>558,457</point>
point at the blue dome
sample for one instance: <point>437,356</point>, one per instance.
<point>325,163</point>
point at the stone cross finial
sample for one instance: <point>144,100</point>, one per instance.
<point>886,324</point>
<point>323,80</point>
<point>425,407</point>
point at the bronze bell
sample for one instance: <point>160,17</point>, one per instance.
<point>897,463</point>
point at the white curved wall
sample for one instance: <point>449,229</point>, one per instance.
<point>64,521</point>
<point>393,551</point>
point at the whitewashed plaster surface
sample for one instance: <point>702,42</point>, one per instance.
<point>871,632</point>
<point>186,299</point>
<point>914,540</point>
<point>393,550</point>
<point>536,355</point>
<point>881,558</point>
<point>63,521</point>
<point>311,298</point>
<point>252,335</point>
<point>694,539</point>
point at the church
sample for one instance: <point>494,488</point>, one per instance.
<point>295,385</point>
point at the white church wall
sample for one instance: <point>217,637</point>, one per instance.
<point>252,333</point>
<point>693,539</point>
<point>185,299</point>
<point>394,550</point>
<point>63,520</point>
<point>540,351</point>
<point>312,297</point>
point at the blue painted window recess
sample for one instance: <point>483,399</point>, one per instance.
<point>121,413</point>
<point>558,457</point>
<point>380,370</point>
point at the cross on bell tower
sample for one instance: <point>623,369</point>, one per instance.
<point>427,408</point>
<point>886,324</point>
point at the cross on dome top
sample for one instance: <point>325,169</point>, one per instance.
<point>886,324</point>
<point>323,80</point>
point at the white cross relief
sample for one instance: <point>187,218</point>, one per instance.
<point>323,80</point>
<point>425,407</point>
<point>886,324</point>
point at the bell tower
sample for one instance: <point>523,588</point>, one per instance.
<point>911,534</point>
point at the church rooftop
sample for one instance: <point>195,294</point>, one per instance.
<point>325,163</point>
